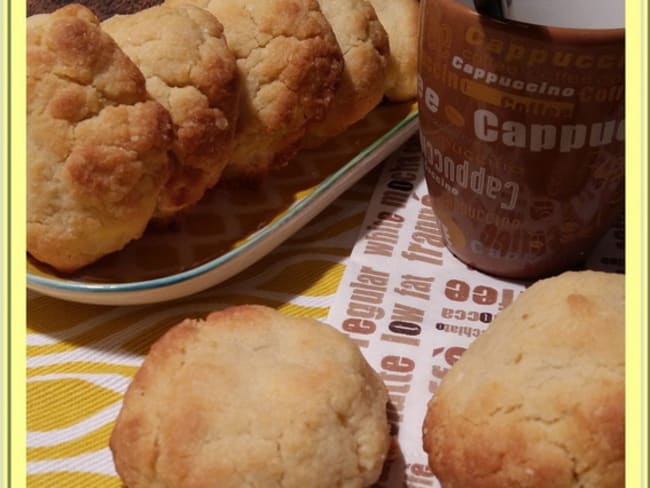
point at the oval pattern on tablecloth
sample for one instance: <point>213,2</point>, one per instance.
<point>81,358</point>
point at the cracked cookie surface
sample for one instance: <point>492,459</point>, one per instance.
<point>250,397</point>
<point>400,19</point>
<point>96,144</point>
<point>190,70</point>
<point>364,44</point>
<point>290,65</point>
<point>538,400</point>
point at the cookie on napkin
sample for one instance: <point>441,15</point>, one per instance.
<point>250,397</point>
<point>538,400</point>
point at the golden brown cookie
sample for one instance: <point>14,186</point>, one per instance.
<point>290,65</point>
<point>190,70</point>
<point>364,43</point>
<point>250,397</point>
<point>400,18</point>
<point>96,146</point>
<point>538,400</point>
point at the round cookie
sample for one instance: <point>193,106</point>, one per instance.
<point>250,397</point>
<point>538,400</point>
<point>400,18</point>
<point>290,65</point>
<point>96,145</point>
<point>364,44</point>
<point>190,70</point>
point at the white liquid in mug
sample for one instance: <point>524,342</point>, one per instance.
<point>581,14</point>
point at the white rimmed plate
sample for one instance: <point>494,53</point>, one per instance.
<point>232,228</point>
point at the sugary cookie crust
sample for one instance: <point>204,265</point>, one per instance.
<point>96,146</point>
<point>190,70</point>
<point>249,397</point>
<point>538,400</point>
<point>364,44</point>
<point>400,18</point>
<point>290,65</point>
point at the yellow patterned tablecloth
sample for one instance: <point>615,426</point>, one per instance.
<point>80,358</point>
<point>426,308</point>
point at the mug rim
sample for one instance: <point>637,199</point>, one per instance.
<point>583,35</point>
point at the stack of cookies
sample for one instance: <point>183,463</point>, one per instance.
<point>131,119</point>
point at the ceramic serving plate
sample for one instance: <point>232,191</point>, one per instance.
<point>232,228</point>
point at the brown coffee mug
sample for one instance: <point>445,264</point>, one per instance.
<point>522,133</point>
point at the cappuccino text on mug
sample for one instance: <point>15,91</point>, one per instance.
<point>522,132</point>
